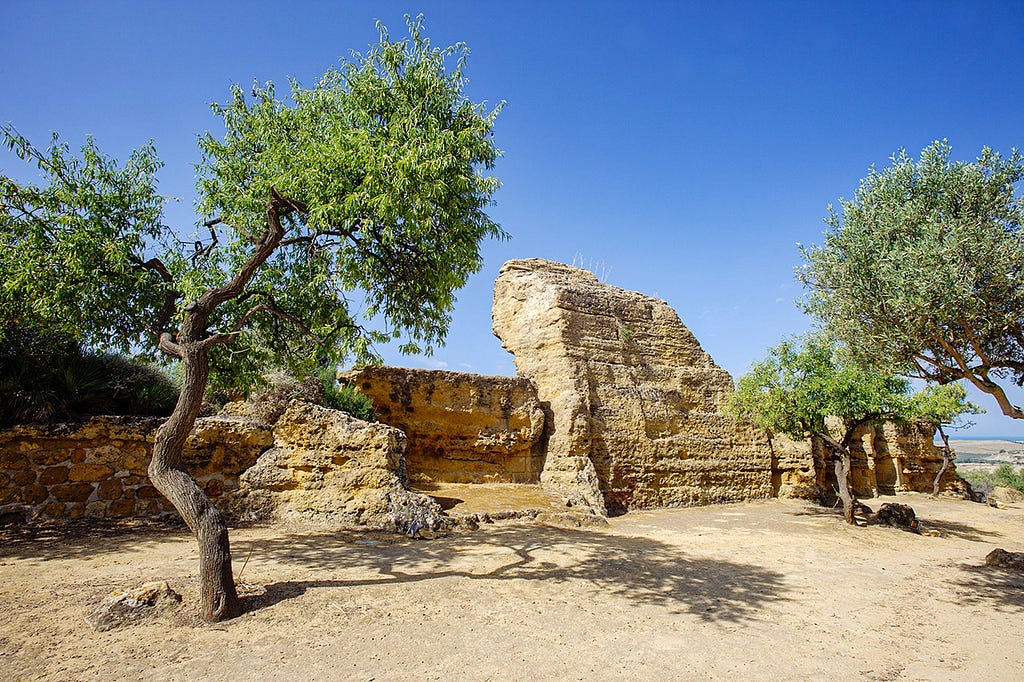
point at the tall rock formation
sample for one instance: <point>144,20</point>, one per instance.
<point>633,401</point>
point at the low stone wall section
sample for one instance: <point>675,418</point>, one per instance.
<point>97,468</point>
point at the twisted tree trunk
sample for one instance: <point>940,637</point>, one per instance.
<point>946,457</point>
<point>842,467</point>
<point>218,598</point>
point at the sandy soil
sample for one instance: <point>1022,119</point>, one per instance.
<point>767,590</point>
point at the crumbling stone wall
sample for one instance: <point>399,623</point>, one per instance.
<point>97,468</point>
<point>885,460</point>
<point>634,402</point>
<point>330,468</point>
<point>461,428</point>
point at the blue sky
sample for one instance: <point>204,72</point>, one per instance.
<point>686,147</point>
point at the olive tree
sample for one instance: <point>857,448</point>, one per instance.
<point>372,181</point>
<point>921,273</point>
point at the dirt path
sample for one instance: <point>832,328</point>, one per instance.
<point>768,590</point>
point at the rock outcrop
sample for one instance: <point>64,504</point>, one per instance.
<point>327,467</point>
<point>461,428</point>
<point>633,401</point>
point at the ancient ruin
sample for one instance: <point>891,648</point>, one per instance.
<point>616,407</point>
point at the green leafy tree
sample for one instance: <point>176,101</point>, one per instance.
<point>372,180</point>
<point>921,273</point>
<point>941,406</point>
<point>802,383</point>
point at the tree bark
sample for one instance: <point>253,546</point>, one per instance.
<point>218,598</point>
<point>842,467</point>
<point>945,462</point>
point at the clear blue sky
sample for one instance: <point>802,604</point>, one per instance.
<point>686,146</point>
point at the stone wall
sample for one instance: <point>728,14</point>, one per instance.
<point>885,460</point>
<point>97,468</point>
<point>461,428</point>
<point>633,400</point>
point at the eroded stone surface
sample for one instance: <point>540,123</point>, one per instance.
<point>885,460</point>
<point>633,401</point>
<point>327,467</point>
<point>461,428</point>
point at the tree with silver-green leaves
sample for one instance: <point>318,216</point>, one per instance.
<point>921,273</point>
<point>371,185</point>
<point>805,382</point>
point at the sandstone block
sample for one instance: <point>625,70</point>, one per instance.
<point>52,475</point>
<point>327,468</point>
<point>27,477</point>
<point>96,510</point>
<point>147,492</point>
<point>72,492</point>
<point>461,428</point>
<point>92,473</point>
<point>1007,495</point>
<point>121,508</point>
<point>34,494</point>
<point>12,459</point>
<point>110,489</point>
<point>54,510</point>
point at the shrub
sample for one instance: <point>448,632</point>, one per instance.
<point>1005,476</point>
<point>347,399</point>
<point>49,379</point>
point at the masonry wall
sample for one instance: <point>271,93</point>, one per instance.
<point>97,468</point>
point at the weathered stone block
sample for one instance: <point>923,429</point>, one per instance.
<point>110,489</point>
<point>628,389</point>
<point>52,475</point>
<point>91,473</point>
<point>72,492</point>
<point>147,492</point>
<point>121,508</point>
<point>54,510</point>
<point>461,428</point>
<point>34,494</point>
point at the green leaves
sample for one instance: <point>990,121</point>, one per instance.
<point>377,174</point>
<point>802,382</point>
<point>69,248</point>
<point>921,272</point>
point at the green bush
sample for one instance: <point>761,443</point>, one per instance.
<point>1005,476</point>
<point>51,379</point>
<point>347,399</point>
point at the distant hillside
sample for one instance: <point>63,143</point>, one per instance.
<point>988,451</point>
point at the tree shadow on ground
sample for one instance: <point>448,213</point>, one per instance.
<point>642,570</point>
<point>963,531</point>
<point>990,586</point>
<point>86,537</point>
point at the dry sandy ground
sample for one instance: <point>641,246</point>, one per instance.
<point>767,590</point>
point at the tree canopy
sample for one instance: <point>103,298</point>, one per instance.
<point>380,167</point>
<point>920,273</point>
